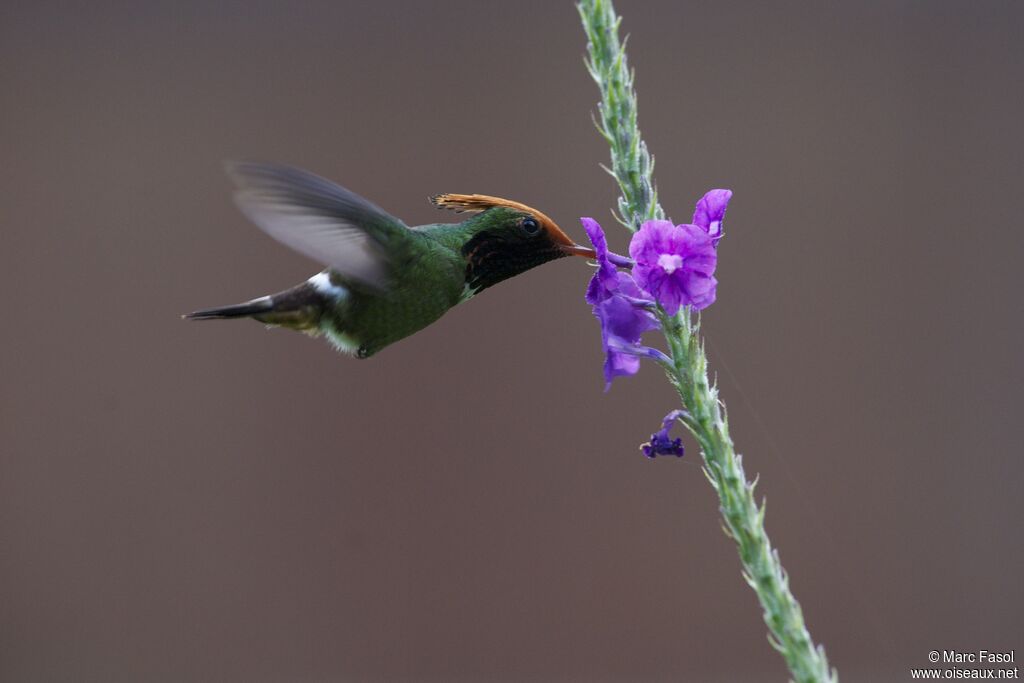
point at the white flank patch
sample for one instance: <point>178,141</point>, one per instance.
<point>322,283</point>
<point>341,341</point>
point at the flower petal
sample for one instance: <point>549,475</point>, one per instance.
<point>623,322</point>
<point>649,240</point>
<point>674,263</point>
<point>700,290</point>
<point>663,444</point>
<point>605,281</point>
<point>619,364</point>
<point>710,212</point>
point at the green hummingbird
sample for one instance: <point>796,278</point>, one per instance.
<point>384,280</point>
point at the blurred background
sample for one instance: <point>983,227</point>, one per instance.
<point>219,502</point>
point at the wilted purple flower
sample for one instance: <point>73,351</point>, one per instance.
<point>675,264</point>
<point>661,443</point>
<point>710,212</point>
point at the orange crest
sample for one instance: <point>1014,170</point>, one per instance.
<point>481,202</point>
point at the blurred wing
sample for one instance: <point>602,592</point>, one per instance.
<point>315,217</point>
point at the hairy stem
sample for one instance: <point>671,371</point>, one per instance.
<point>632,166</point>
<point>705,415</point>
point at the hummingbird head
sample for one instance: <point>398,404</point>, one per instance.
<point>507,238</point>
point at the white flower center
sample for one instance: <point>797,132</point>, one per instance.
<point>670,263</point>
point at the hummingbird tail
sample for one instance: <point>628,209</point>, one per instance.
<point>249,309</point>
<point>299,308</point>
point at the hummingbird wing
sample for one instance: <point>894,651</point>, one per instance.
<point>324,221</point>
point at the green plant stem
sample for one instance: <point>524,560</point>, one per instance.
<point>632,166</point>
<point>705,414</point>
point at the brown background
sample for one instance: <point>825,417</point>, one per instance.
<point>216,502</point>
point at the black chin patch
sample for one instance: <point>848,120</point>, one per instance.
<point>491,258</point>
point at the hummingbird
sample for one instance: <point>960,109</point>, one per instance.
<point>383,279</point>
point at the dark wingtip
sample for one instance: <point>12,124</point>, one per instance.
<point>246,310</point>
<point>201,315</point>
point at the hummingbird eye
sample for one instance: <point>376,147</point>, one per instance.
<point>530,226</point>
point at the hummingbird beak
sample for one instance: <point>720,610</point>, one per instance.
<point>577,250</point>
<point>564,243</point>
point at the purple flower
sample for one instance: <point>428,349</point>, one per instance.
<point>710,212</point>
<point>620,306</point>
<point>661,443</point>
<point>605,280</point>
<point>675,264</point>
<point>623,321</point>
